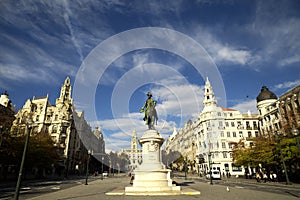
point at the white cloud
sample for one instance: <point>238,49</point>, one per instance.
<point>220,51</point>
<point>233,55</point>
<point>244,107</point>
<point>287,85</point>
<point>179,100</point>
<point>289,60</point>
<point>118,132</point>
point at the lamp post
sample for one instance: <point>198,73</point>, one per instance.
<point>28,130</point>
<point>87,167</point>
<point>209,163</point>
<point>102,168</point>
<point>185,166</point>
<point>295,132</point>
<point>1,133</point>
<point>282,160</point>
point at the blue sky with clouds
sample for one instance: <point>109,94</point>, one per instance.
<point>249,43</point>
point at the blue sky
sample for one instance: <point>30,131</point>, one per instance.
<point>243,44</point>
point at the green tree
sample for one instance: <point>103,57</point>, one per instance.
<point>266,151</point>
<point>41,151</point>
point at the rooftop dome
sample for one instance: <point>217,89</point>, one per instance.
<point>265,94</point>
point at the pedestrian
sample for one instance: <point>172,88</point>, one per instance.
<point>274,177</point>
<point>271,177</point>
<point>265,177</point>
<point>257,176</point>
<point>131,179</point>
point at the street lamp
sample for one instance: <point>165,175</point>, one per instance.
<point>87,167</point>
<point>102,168</point>
<point>28,130</point>
<point>1,133</point>
<point>209,163</point>
<point>282,160</point>
<point>295,132</point>
<point>185,166</point>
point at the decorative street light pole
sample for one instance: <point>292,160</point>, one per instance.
<point>185,166</point>
<point>87,167</point>
<point>209,163</point>
<point>295,133</point>
<point>282,160</point>
<point>28,130</point>
<point>102,168</point>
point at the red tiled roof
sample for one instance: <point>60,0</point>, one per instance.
<point>228,109</point>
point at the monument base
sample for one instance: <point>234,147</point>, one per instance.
<point>151,177</point>
<point>152,181</point>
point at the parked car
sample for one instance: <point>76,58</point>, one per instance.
<point>215,174</point>
<point>105,174</point>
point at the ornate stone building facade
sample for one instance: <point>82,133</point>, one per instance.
<point>279,115</point>
<point>134,153</point>
<point>58,121</point>
<point>214,133</point>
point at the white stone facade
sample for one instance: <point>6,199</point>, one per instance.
<point>279,115</point>
<point>215,132</point>
<point>134,153</point>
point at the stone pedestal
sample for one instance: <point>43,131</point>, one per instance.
<point>151,175</point>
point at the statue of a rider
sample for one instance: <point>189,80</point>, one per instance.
<point>150,114</point>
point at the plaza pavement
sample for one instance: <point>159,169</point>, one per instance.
<point>97,189</point>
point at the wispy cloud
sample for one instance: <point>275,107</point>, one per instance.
<point>287,85</point>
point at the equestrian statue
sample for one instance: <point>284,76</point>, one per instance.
<point>150,114</point>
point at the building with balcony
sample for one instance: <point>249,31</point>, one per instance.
<point>213,135</point>
<point>279,115</point>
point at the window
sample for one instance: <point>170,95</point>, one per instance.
<point>232,124</point>
<point>224,155</point>
<point>255,125</point>
<point>228,134</point>
<point>37,118</point>
<point>227,124</point>
<point>241,133</point>
<point>223,145</point>
<point>234,134</point>
<point>48,117</point>
<point>219,113</point>
<point>230,114</point>
<point>220,124</point>
<point>247,125</point>
<point>236,168</point>
<point>56,117</point>
<point>249,134</point>
<point>222,133</point>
